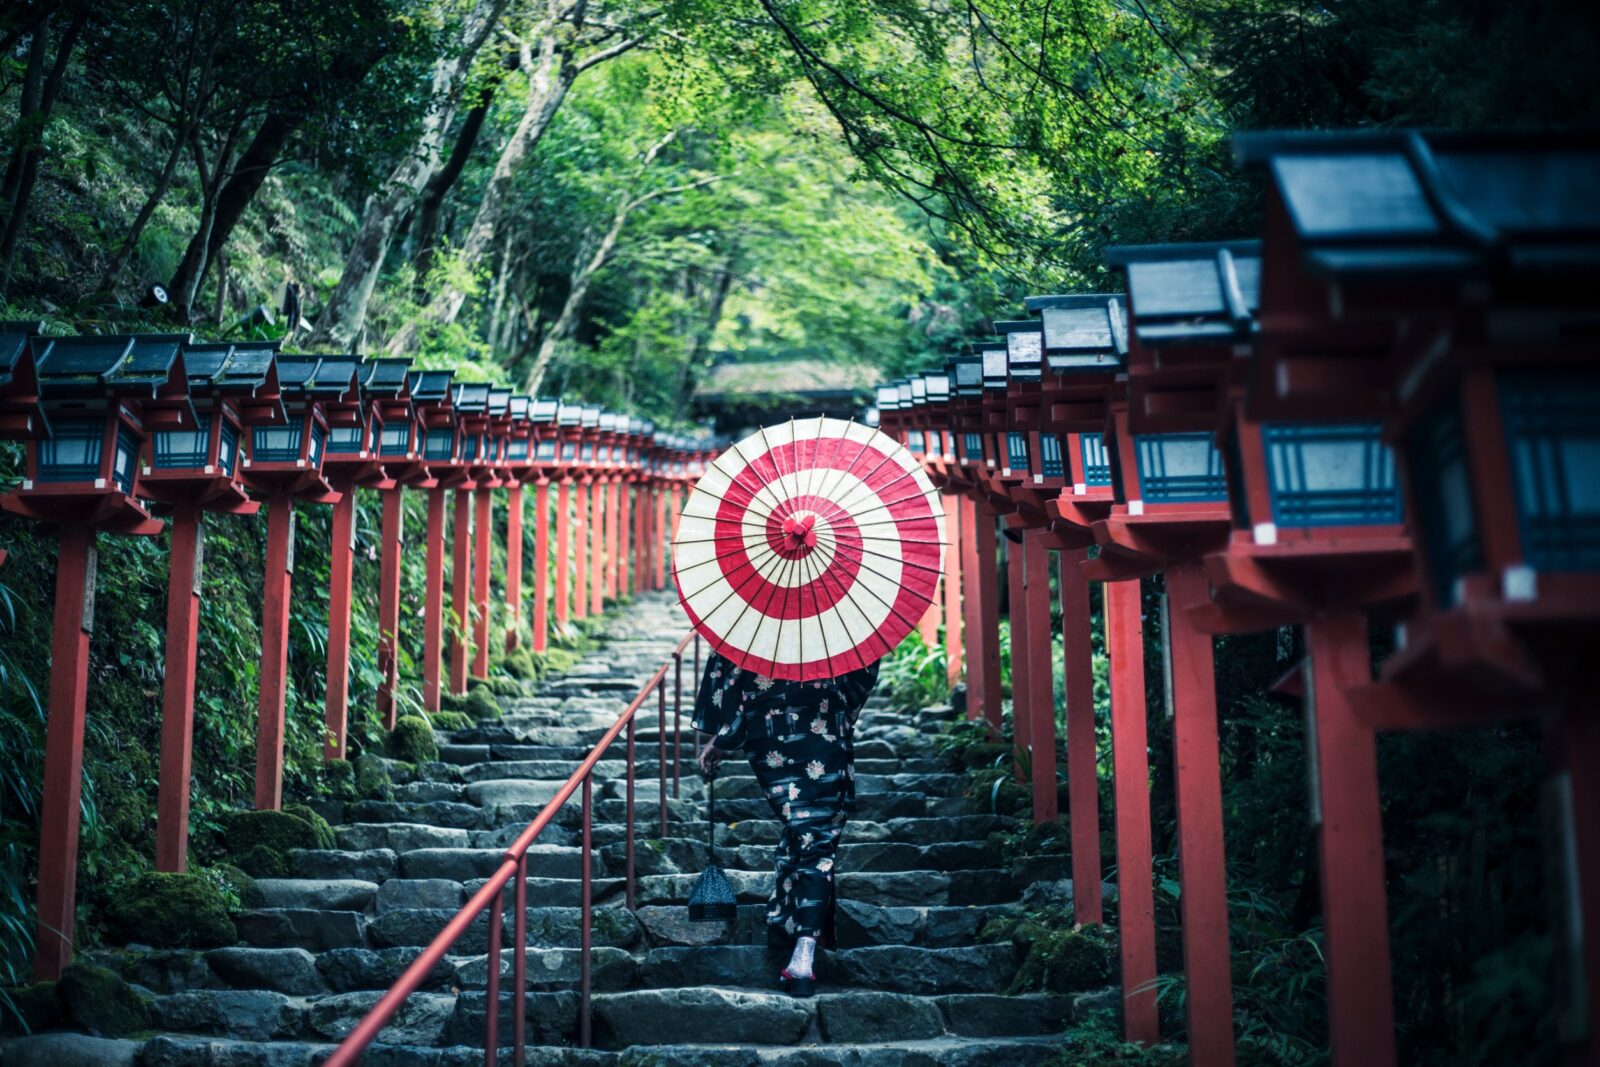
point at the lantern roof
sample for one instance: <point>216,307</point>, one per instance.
<point>543,410</point>
<point>992,362</point>
<point>430,386</point>
<point>521,406</point>
<point>937,385</point>
<point>1200,293</point>
<point>224,367</point>
<point>966,375</point>
<point>117,364</point>
<point>14,339</point>
<point>472,397</point>
<point>568,414</point>
<point>1401,202</point>
<point>888,396</point>
<point>499,401</point>
<point>608,421</point>
<point>386,377</point>
<point>335,377</point>
<point>1082,330</point>
<point>591,417</point>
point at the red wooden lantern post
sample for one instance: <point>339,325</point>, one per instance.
<point>283,464</point>
<point>1454,284</point>
<point>1084,343</point>
<point>433,395</point>
<point>568,431</point>
<point>399,445</point>
<point>584,511</point>
<point>351,459</point>
<point>191,471</point>
<point>471,404</point>
<point>967,476</point>
<point>82,476</point>
<point>1172,510</point>
<point>542,416</point>
<point>518,463</point>
<point>611,449</point>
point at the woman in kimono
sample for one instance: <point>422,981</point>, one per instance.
<point>797,738</point>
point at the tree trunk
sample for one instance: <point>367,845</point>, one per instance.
<point>548,82</point>
<point>30,143</point>
<point>579,289</point>
<point>236,194</point>
<point>441,183</point>
<point>158,192</point>
<point>342,318</point>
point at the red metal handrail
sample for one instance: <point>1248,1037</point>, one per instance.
<point>515,865</point>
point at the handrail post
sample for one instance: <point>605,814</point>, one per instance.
<point>586,919</point>
<point>661,753</point>
<point>627,839</point>
<point>519,966</point>
<point>491,1015</point>
<point>677,720</point>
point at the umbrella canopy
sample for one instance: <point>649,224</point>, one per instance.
<point>809,549</point>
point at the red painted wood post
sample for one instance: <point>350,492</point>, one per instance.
<point>433,603</point>
<point>389,605</point>
<point>614,520</point>
<point>580,563</point>
<point>598,514</point>
<point>271,695</point>
<point>658,538</point>
<point>177,691</point>
<point>341,561</point>
<point>513,566</point>
<point>627,573</point>
<point>541,565</point>
<point>952,589</point>
<point>989,613</point>
<point>461,590</point>
<point>1355,912</point>
<point>1130,758</point>
<point>63,752</point>
<point>1577,737</point>
<point>1021,689</point>
<point>1083,786</point>
<point>928,625</point>
<point>1040,679</point>
<point>976,638</point>
<point>1202,864</point>
<point>563,551</point>
<point>483,537</point>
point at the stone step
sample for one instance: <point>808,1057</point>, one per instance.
<point>885,889</point>
<point>681,855</point>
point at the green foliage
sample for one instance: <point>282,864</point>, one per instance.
<point>322,833</point>
<point>1095,1040</point>
<point>258,842</point>
<point>237,888</point>
<point>450,720</point>
<point>169,910</point>
<point>520,664</point>
<point>914,676</point>
<point>373,780</point>
<point>412,740</point>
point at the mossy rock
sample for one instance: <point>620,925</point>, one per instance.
<point>258,842</point>
<point>412,740</point>
<point>373,780</point>
<point>100,1000</point>
<point>558,661</point>
<point>325,837</point>
<point>450,720</point>
<point>339,779</point>
<point>475,683</point>
<point>238,888</point>
<point>519,663</point>
<point>481,705</point>
<point>170,910</point>
<point>506,687</point>
<point>456,702</point>
<point>33,1008</point>
<point>1059,957</point>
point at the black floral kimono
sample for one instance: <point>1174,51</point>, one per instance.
<point>797,737</point>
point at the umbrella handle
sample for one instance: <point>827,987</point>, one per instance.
<point>711,818</point>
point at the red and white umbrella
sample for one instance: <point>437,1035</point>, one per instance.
<point>809,549</point>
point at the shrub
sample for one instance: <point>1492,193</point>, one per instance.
<point>913,676</point>
<point>339,779</point>
<point>323,833</point>
<point>100,1001</point>
<point>35,1007</point>
<point>170,910</point>
<point>412,740</point>
<point>1058,956</point>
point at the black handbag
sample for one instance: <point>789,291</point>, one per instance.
<point>712,899</point>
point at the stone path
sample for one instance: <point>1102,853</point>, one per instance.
<point>910,984</point>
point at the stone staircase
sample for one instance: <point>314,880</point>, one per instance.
<point>910,984</point>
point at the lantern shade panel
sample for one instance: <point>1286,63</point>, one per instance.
<point>278,444</point>
<point>1050,459</point>
<point>1330,474</point>
<point>1553,440</point>
<point>72,451</point>
<point>1446,509</point>
<point>1096,464</point>
<point>184,449</point>
<point>1179,468</point>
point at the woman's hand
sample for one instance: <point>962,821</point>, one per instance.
<point>709,758</point>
